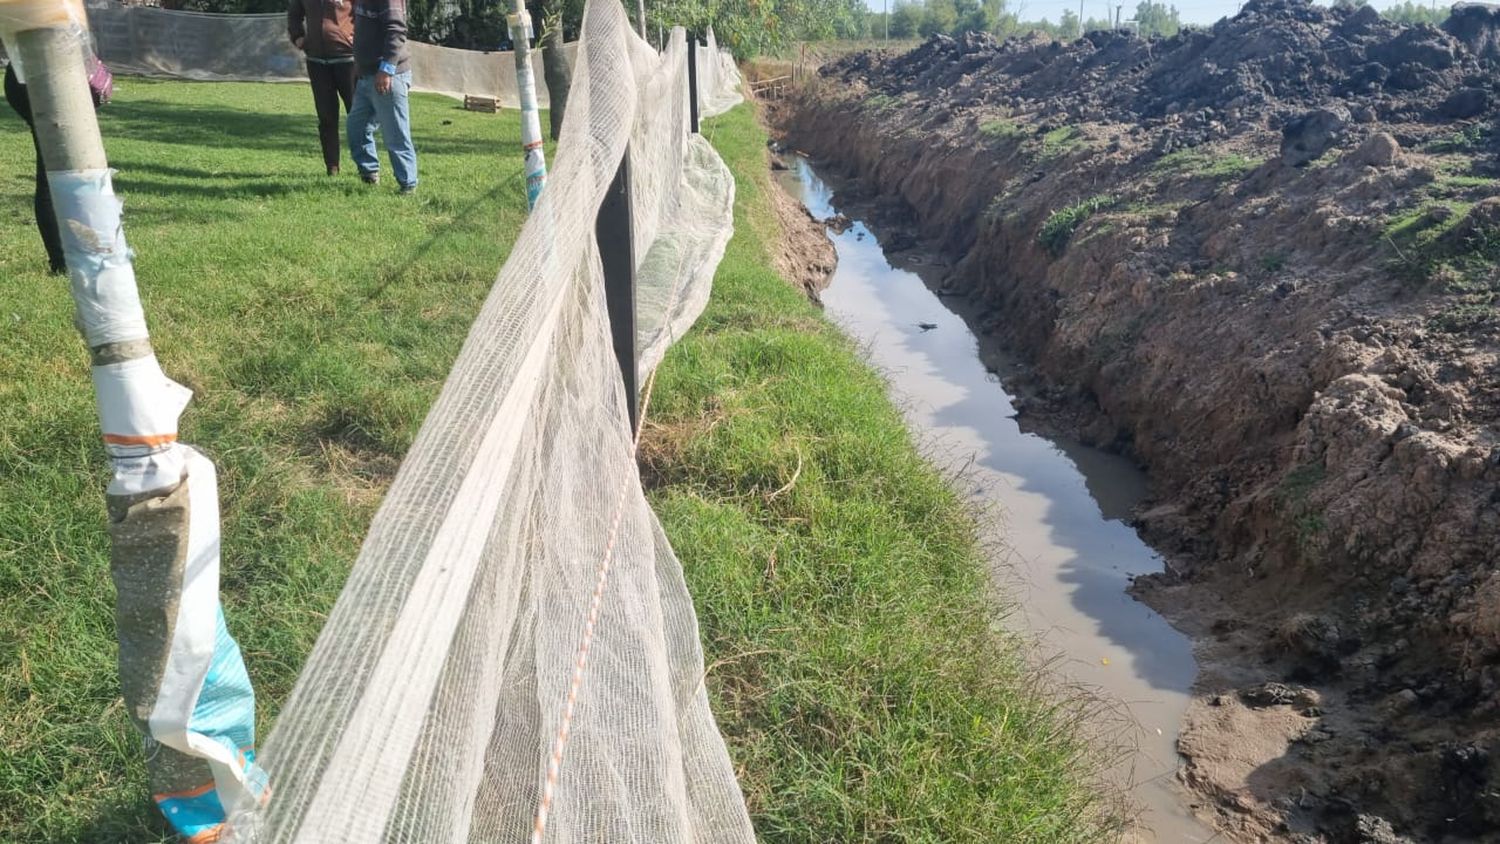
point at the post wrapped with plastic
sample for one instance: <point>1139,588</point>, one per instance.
<point>181,673</point>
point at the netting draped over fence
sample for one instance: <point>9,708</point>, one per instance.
<point>254,48</point>
<point>516,634</point>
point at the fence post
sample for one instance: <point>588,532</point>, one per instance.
<point>616,237</point>
<point>693,80</point>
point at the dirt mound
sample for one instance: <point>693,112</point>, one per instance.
<point>1267,257</point>
<point>1263,64</point>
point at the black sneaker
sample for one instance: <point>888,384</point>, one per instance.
<point>408,190</point>
<point>370,178</point>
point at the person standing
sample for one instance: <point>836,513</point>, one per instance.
<point>324,31</point>
<point>380,94</point>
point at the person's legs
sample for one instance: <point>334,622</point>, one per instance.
<point>46,217</point>
<point>361,129</point>
<point>395,126</point>
<point>41,200</point>
<point>326,101</point>
<point>343,80</point>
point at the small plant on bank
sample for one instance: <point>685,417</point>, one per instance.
<point>1002,129</point>
<point>1059,228</point>
<point>1061,141</point>
<point>1200,163</point>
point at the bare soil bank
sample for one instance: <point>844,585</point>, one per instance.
<point>1260,259</point>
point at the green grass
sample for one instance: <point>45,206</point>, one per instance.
<point>862,686</point>
<point>1062,141</point>
<point>1206,164</point>
<point>1466,139</point>
<point>1060,225</point>
<point>1293,493</point>
<point>1002,129</point>
<point>314,318</point>
<point>854,664</point>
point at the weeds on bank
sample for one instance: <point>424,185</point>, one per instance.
<point>1001,129</point>
<point>1059,227</point>
<point>1207,164</point>
<point>1062,141</point>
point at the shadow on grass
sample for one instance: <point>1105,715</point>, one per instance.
<point>183,125</point>
<point>217,189</point>
<point>174,124</point>
<point>122,820</point>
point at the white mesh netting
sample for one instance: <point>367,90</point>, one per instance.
<point>451,695</point>
<point>148,41</point>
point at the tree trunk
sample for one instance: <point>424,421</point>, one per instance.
<point>557,70</point>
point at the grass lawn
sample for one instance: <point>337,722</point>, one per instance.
<point>853,663</point>
<point>315,320</point>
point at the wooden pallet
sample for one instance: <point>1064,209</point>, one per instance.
<point>488,104</point>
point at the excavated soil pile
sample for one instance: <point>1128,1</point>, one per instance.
<point>1262,259</point>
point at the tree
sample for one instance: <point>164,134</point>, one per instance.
<point>973,16</point>
<point>1157,19</point>
<point>1068,27</point>
<point>1413,13</point>
<point>941,17</point>
<point>905,20</point>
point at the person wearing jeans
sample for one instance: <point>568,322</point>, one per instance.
<point>381,93</point>
<point>324,31</point>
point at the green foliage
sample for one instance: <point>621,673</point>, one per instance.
<point>1154,18</point>
<point>1201,163</point>
<point>1293,493</point>
<point>1409,12</point>
<point>941,17</point>
<point>905,19</point>
<point>1002,129</point>
<point>1068,28</point>
<point>1060,225</point>
<point>973,16</point>
<point>757,27</point>
<point>1467,139</point>
<point>1061,141</point>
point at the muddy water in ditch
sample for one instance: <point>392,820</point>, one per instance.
<point>1057,505</point>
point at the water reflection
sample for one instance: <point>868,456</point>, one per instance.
<point>1058,504</point>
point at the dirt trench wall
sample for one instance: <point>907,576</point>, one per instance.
<point>1316,449</point>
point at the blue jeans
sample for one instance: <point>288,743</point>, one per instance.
<point>394,116</point>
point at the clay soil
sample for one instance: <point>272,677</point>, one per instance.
<point>1261,260</point>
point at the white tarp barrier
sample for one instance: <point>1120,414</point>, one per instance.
<point>515,655</point>
<point>148,41</point>
<point>718,79</point>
